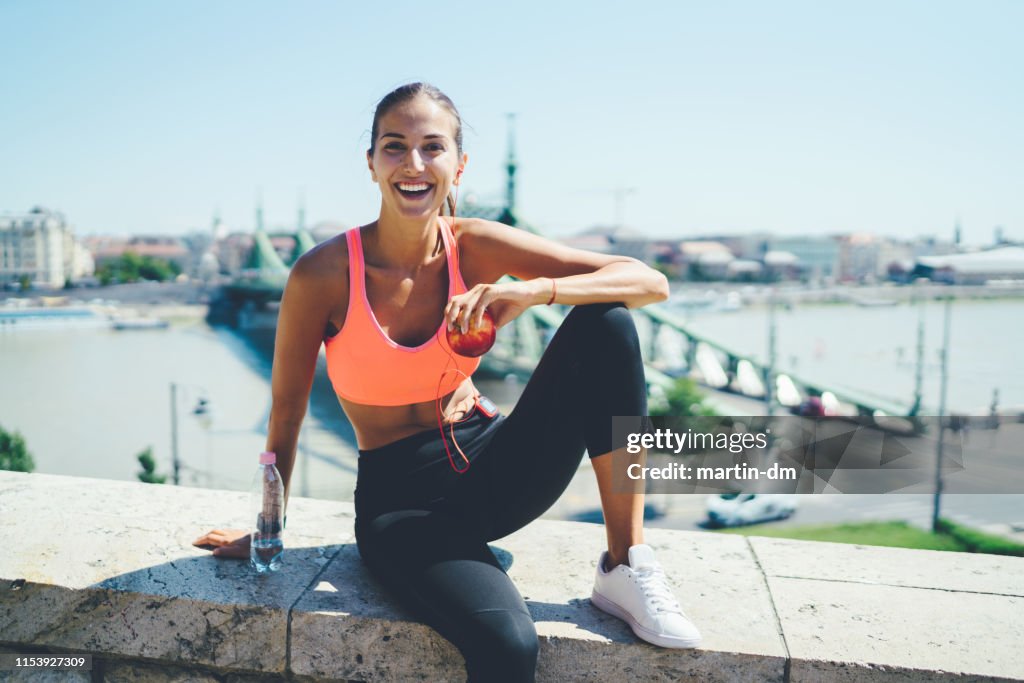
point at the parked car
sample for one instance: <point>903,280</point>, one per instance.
<point>736,509</point>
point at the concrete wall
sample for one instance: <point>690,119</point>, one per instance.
<point>107,568</point>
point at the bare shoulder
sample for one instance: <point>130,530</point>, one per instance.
<point>477,239</point>
<point>474,231</point>
<point>324,262</point>
<point>318,285</point>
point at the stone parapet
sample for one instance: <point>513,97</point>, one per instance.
<point>107,568</point>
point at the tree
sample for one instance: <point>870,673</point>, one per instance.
<point>105,275</point>
<point>686,400</point>
<point>130,267</point>
<point>26,282</point>
<point>14,455</point>
<point>148,474</point>
<point>156,269</point>
<point>686,409</point>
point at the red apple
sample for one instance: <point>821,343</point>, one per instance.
<point>476,341</point>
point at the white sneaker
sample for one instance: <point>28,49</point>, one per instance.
<point>640,596</point>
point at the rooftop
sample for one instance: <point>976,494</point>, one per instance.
<point>1001,260</point>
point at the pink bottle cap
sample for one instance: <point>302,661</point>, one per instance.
<point>268,458</point>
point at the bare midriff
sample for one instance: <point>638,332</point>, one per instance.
<point>377,426</point>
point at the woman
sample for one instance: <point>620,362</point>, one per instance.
<point>428,500</point>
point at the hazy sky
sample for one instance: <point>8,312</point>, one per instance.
<point>894,117</point>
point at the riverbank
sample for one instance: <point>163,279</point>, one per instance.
<point>136,293</point>
<point>792,293</point>
<point>167,302</point>
<point>191,292</point>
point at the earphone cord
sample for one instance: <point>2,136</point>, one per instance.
<point>448,369</point>
<point>451,426</point>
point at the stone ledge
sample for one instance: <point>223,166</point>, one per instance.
<point>107,567</point>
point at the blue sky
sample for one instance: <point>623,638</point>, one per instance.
<point>792,117</point>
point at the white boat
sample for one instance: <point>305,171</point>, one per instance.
<point>871,302</point>
<point>42,318</point>
<point>139,324</point>
<point>709,301</point>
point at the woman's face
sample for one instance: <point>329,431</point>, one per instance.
<point>415,159</point>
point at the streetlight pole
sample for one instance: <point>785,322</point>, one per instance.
<point>174,431</point>
<point>919,366</point>
<point>942,411</point>
<point>769,372</point>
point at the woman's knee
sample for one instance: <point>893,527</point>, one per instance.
<point>607,325</point>
<point>505,647</point>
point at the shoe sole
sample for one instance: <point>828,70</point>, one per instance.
<point>606,605</point>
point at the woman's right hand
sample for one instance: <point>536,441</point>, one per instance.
<point>226,543</point>
<point>505,301</point>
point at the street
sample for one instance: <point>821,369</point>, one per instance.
<point>998,514</point>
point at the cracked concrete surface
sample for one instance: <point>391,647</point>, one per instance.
<point>108,568</point>
<point>851,612</point>
<point>93,578</point>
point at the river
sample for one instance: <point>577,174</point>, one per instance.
<point>873,350</point>
<point>88,399</point>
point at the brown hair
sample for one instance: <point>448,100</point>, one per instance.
<point>405,93</point>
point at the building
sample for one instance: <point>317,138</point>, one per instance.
<point>817,255</point>
<point>783,265</point>
<point>858,258</point>
<point>41,246</point>
<point>325,230</point>
<point>614,240</point>
<point>163,247</point>
<point>703,259</point>
<point>750,246</point>
<point>976,268</point>
<point>233,252</point>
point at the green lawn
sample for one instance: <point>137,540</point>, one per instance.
<point>895,534</point>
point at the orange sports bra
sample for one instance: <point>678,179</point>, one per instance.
<point>366,366</point>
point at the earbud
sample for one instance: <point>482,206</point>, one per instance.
<point>458,176</point>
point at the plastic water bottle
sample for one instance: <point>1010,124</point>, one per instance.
<point>267,502</point>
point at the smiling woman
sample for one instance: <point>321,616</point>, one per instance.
<point>441,471</point>
<point>435,144</point>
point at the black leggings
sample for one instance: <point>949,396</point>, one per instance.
<point>423,529</point>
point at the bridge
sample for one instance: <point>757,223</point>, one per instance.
<point>263,277</point>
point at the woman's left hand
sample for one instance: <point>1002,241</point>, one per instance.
<point>226,543</point>
<point>505,301</point>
